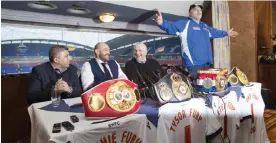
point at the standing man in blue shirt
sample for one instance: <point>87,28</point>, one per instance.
<point>195,38</point>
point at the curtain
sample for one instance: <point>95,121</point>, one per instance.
<point>220,19</point>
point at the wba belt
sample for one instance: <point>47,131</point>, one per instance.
<point>113,98</point>
<point>173,87</point>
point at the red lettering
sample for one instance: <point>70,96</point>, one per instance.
<point>103,140</point>
<point>183,114</point>
<point>173,123</point>
<point>133,138</point>
<point>172,129</point>
<point>176,119</point>
<point>113,137</point>
<point>253,130</point>
<point>179,116</point>
<point>128,138</point>
<point>109,138</point>
<point>123,136</point>
<point>195,114</point>
<point>231,106</point>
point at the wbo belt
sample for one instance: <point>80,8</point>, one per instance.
<point>237,77</point>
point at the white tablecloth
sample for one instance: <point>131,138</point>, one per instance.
<point>42,124</point>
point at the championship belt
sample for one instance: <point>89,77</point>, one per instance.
<point>173,87</point>
<point>212,80</point>
<point>113,98</point>
<point>237,77</point>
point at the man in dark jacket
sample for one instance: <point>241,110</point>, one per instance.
<point>58,74</point>
<point>142,70</point>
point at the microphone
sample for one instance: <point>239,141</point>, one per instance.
<point>158,77</point>
<point>149,79</point>
<point>141,78</point>
<point>181,70</point>
<point>159,72</point>
<point>147,88</point>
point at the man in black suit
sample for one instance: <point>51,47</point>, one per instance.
<point>58,73</point>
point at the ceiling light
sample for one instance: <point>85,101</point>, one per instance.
<point>107,17</point>
<point>78,10</point>
<point>42,5</point>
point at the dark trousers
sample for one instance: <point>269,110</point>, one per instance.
<point>193,69</point>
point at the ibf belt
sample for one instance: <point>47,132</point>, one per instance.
<point>113,98</point>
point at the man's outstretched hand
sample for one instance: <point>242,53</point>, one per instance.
<point>232,33</point>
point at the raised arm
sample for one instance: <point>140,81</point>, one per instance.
<point>170,27</point>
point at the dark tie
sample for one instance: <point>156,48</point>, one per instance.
<point>106,72</point>
<point>58,74</point>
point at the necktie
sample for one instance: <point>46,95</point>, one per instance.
<point>58,74</point>
<point>106,72</point>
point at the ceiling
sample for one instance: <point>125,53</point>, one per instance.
<point>137,12</point>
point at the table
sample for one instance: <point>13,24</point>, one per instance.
<point>43,120</point>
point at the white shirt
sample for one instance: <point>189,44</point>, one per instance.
<point>87,76</point>
<point>186,122</point>
<point>131,128</point>
<point>253,130</point>
<point>226,106</point>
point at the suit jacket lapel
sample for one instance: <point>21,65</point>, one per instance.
<point>51,73</point>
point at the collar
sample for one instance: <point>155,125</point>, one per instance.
<point>194,20</point>
<point>57,69</point>
<point>141,62</point>
<point>99,61</point>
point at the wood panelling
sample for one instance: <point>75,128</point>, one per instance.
<point>207,15</point>
<point>15,120</point>
<point>243,48</point>
<point>267,76</point>
<point>263,21</point>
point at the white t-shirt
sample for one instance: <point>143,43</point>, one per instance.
<point>186,122</point>
<point>252,129</point>
<point>227,113</point>
<point>132,128</point>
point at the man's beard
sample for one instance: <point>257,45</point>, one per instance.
<point>104,58</point>
<point>141,59</point>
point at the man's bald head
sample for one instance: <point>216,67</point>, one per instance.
<point>141,45</point>
<point>102,51</point>
<point>140,52</point>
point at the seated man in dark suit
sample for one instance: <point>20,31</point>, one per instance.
<point>142,70</point>
<point>101,68</point>
<point>57,73</point>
